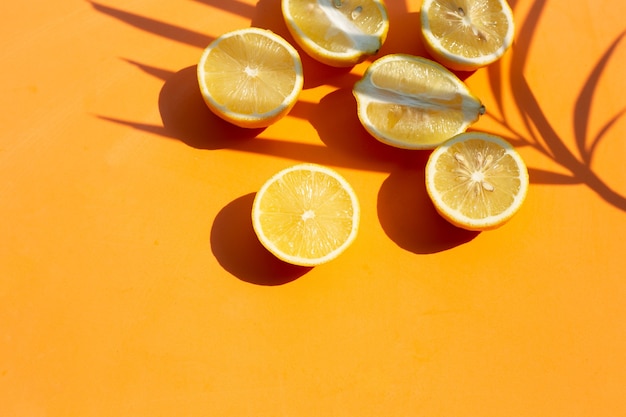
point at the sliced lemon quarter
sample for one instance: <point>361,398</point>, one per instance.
<point>477,181</point>
<point>413,102</point>
<point>306,214</point>
<point>250,77</point>
<point>339,33</point>
<point>467,34</point>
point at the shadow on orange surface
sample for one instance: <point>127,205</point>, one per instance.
<point>405,211</point>
<point>232,6</point>
<point>238,250</point>
<point>156,27</point>
<point>547,140</point>
<point>336,121</point>
<point>409,218</point>
<point>186,117</point>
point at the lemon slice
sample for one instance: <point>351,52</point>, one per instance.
<point>250,77</point>
<point>467,34</point>
<point>476,181</point>
<point>412,102</point>
<point>339,33</point>
<point>306,214</point>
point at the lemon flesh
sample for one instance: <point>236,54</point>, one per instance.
<point>477,181</point>
<point>250,77</point>
<point>467,34</point>
<point>306,214</point>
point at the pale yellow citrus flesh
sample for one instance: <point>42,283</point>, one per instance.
<point>306,214</point>
<point>477,181</point>
<point>467,34</point>
<point>337,32</point>
<point>413,102</point>
<point>250,77</point>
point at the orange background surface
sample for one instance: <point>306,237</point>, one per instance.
<point>132,284</point>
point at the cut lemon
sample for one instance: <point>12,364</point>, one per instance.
<point>412,102</point>
<point>466,34</point>
<point>476,181</point>
<point>250,77</point>
<point>339,33</point>
<point>306,214</point>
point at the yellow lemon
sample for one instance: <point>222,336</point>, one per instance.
<point>250,77</point>
<point>306,214</point>
<point>466,34</point>
<point>412,102</point>
<point>339,33</point>
<point>477,181</point>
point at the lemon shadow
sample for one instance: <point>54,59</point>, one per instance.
<point>336,121</point>
<point>238,250</point>
<point>404,32</point>
<point>186,117</point>
<point>409,218</point>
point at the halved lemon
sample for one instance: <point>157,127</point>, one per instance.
<point>466,34</point>
<point>412,102</point>
<point>476,181</point>
<point>306,214</point>
<point>339,33</point>
<point>250,77</point>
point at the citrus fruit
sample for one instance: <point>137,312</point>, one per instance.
<point>466,34</point>
<point>412,102</point>
<point>306,214</point>
<point>250,77</point>
<point>339,33</point>
<point>477,181</point>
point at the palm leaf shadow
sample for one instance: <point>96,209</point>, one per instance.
<point>583,106</point>
<point>600,135</point>
<point>156,27</point>
<point>233,6</point>
<point>539,133</point>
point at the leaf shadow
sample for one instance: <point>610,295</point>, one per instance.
<point>185,116</point>
<point>232,6</point>
<point>583,107</point>
<point>157,27</point>
<point>538,133</point>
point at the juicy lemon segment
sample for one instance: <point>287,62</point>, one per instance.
<point>306,214</point>
<point>467,34</point>
<point>476,181</point>
<point>337,32</point>
<point>250,77</point>
<point>414,103</point>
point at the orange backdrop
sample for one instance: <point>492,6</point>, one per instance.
<point>132,284</point>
